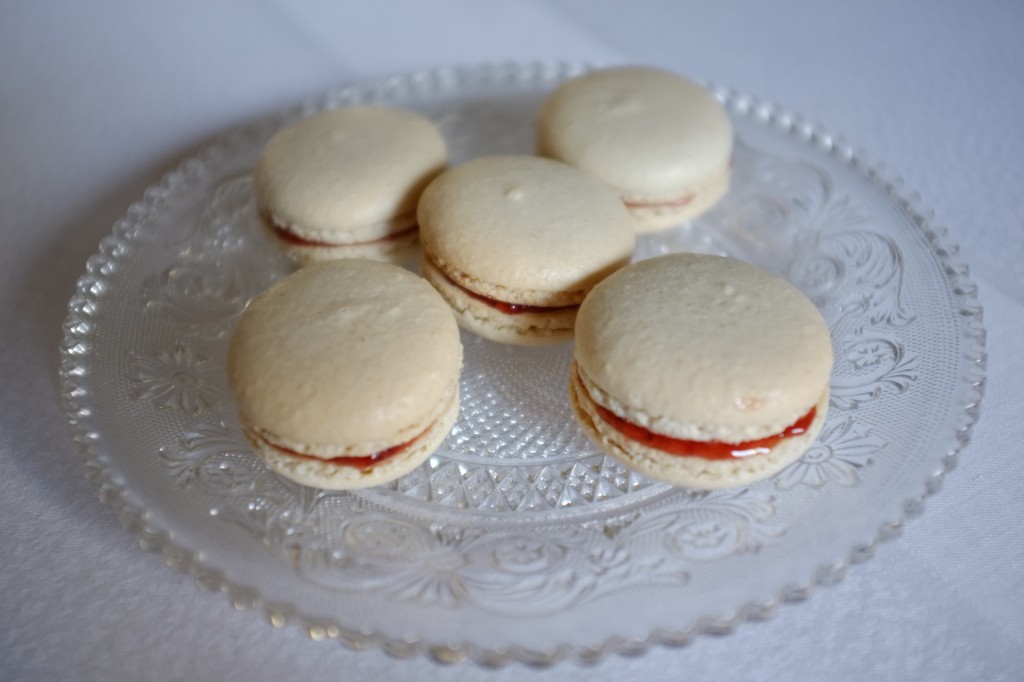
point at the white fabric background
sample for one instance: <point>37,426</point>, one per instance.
<point>99,99</point>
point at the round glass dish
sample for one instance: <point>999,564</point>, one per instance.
<point>518,540</point>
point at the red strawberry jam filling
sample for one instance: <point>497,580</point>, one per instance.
<point>698,448</point>
<point>505,306</point>
<point>704,449</point>
<point>363,462</point>
<point>675,203</point>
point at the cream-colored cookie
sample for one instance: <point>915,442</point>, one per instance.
<point>700,370</point>
<point>514,243</point>
<point>344,183</point>
<point>346,359</point>
<point>663,142</point>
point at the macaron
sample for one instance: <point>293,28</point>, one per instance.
<point>701,371</point>
<point>344,183</point>
<point>663,142</point>
<point>346,373</point>
<point>515,243</point>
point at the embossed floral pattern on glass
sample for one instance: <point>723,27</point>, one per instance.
<point>176,378</point>
<point>543,546</point>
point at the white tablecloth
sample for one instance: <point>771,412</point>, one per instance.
<point>99,99</point>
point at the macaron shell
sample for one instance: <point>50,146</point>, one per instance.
<point>655,218</point>
<point>344,358</point>
<point>399,250</point>
<point>333,477</point>
<point>693,472</point>
<point>352,235</point>
<point>348,168</point>
<point>650,134</point>
<point>521,329</point>
<point>523,229</point>
<point>702,347</point>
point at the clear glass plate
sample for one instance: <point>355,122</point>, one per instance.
<point>518,540</point>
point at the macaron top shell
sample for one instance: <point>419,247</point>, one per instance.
<point>703,347</point>
<point>649,133</point>
<point>524,229</point>
<point>348,168</point>
<point>342,357</point>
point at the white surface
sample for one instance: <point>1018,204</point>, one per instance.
<point>99,99</point>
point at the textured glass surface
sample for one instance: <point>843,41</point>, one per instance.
<point>518,539</point>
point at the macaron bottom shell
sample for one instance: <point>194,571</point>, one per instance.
<point>656,217</point>
<point>691,472</point>
<point>329,476</point>
<point>522,329</point>
<point>399,249</point>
